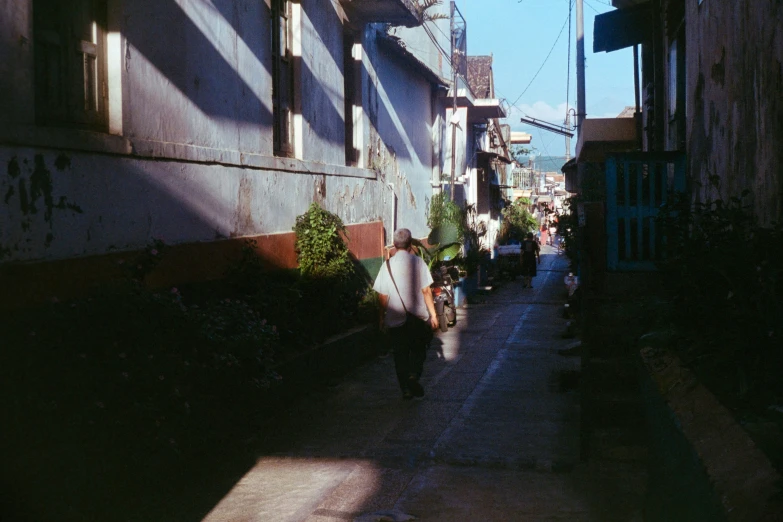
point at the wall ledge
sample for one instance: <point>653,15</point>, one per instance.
<point>740,474</point>
<point>102,143</point>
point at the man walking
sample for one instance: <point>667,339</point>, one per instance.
<point>403,284</point>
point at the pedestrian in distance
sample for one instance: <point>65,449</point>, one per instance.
<point>407,311</point>
<point>531,253</point>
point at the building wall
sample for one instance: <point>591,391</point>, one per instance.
<point>198,73</point>
<point>191,158</point>
<point>420,41</point>
<point>464,169</point>
<point>401,128</point>
<point>66,204</point>
<point>734,103</point>
<point>322,88</point>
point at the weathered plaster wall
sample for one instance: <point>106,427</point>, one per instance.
<point>734,102</point>
<point>322,86</point>
<point>194,161</point>
<point>400,131</point>
<point>58,204</point>
<point>198,73</point>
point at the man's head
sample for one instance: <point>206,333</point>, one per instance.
<point>530,235</point>
<point>402,239</point>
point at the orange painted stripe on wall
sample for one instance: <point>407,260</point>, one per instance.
<point>26,284</point>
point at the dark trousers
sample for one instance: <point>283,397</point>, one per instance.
<point>409,355</point>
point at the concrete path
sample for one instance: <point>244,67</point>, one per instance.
<point>495,438</point>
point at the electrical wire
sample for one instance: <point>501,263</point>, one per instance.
<point>545,60</point>
<point>435,41</point>
<point>591,7</point>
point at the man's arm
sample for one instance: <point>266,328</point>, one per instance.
<point>427,291</point>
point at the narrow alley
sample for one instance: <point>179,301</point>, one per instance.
<point>497,436</point>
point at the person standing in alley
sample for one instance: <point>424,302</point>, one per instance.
<point>407,311</point>
<point>531,253</point>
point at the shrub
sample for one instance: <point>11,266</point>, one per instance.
<point>727,275</point>
<point>517,221</point>
<point>320,249</point>
<point>332,284</point>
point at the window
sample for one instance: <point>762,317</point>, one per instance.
<point>282,78</point>
<point>70,63</point>
<point>350,74</point>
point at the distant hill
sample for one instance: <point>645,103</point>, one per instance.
<point>548,163</point>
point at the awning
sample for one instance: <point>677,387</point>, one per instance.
<point>622,28</point>
<point>520,138</point>
<point>486,108</point>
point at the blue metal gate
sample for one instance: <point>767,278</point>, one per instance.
<point>637,184</point>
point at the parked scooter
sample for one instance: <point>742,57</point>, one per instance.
<point>443,294</point>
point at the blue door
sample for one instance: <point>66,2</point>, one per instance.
<point>637,184</point>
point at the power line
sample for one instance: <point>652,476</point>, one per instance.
<point>591,7</point>
<point>545,60</point>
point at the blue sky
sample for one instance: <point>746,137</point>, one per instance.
<point>520,34</point>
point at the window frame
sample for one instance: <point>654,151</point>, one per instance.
<point>282,78</point>
<point>71,64</point>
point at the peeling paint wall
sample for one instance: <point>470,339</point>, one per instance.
<point>734,101</point>
<point>193,159</point>
<point>60,205</point>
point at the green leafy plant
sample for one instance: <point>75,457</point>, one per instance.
<point>474,252</point>
<point>320,249</point>
<point>422,6</point>
<point>517,221</point>
<point>568,226</point>
<point>726,272</point>
<point>442,210</point>
<point>444,241</point>
<point>332,284</point>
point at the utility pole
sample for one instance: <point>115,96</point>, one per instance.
<point>580,67</point>
<point>580,116</point>
<point>454,55</point>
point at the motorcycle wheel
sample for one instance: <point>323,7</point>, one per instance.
<point>442,323</point>
<point>450,313</point>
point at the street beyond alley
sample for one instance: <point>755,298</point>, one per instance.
<point>497,436</point>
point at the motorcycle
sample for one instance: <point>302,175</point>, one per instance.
<point>443,294</point>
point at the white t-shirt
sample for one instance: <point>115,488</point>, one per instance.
<point>412,276</point>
